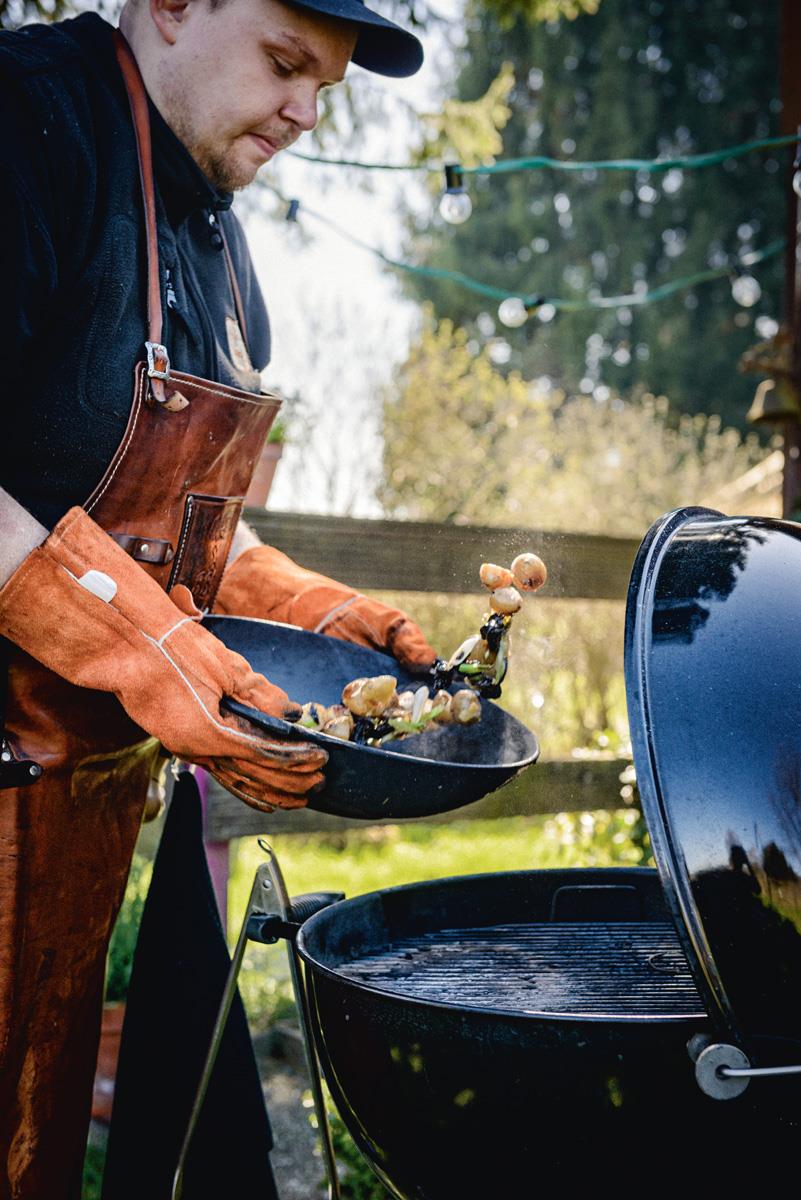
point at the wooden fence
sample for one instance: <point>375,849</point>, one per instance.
<point>416,556</point>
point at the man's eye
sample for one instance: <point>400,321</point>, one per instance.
<point>281,68</point>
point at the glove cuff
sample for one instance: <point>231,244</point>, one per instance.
<point>264,583</point>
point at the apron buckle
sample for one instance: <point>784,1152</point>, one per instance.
<point>158,361</point>
<point>158,370</point>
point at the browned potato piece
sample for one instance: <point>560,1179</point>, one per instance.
<point>443,700</point>
<point>314,712</point>
<point>369,697</point>
<point>339,723</point>
<point>529,571</point>
<point>465,707</point>
<point>493,576</point>
<point>506,601</point>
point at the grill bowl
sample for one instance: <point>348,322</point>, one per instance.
<point>499,1074</point>
<point>421,775</point>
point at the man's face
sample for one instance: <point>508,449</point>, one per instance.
<point>241,82</point>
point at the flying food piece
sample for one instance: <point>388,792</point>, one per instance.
<point>529,571</point>
<point>493,576</point>
<point>483,659</point>
<point>506,600</point>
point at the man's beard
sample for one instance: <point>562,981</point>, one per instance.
<point>219,167</point>
<point>220,171</point>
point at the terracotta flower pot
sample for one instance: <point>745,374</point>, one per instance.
<point>263,475</point>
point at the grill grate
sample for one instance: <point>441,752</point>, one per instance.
<point>588,968</point>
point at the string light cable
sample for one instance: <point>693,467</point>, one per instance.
<point>516,307</point>
<point>686,162</point>
<point>455,205</point>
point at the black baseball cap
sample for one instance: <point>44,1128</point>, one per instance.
<point>382,46</point>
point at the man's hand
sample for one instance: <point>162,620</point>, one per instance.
<point>262,582</point>
<point>80,605</point>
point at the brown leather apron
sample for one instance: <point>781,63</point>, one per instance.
<point>171,497</point>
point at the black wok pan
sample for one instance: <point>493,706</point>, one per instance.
<point>424,774</point>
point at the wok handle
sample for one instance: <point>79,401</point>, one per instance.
<point>263,720</point>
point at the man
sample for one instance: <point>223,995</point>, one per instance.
<point>127,271</point>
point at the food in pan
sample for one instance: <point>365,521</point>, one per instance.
<point>374,712</point>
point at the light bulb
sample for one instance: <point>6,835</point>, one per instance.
<point>746,290</point>
<point>797,182</point>
<point>766,327</point>
<point>512,312</point>
<point>455,206</point>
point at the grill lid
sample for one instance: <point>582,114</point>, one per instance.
<point>713,680</point>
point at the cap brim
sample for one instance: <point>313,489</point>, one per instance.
<point>387,49</point>
<point>382,46</point>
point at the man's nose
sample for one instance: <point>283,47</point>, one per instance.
<point>301,108</point>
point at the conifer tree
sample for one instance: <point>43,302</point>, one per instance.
<point>640,78</point>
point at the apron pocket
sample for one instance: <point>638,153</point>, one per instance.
<point>208,527</point>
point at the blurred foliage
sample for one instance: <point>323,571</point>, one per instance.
<point>93,1171</point>
<point>356,1180</point>
<point>126,930</point>
<point>418,13</point>
<point>464,442</point>
<point>545,10</point>
<point>468,131</point>
<point>14,13</point>
<point>641,78</point>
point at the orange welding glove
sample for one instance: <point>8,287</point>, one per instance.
<point>83,607</point>
<point>262,582</point>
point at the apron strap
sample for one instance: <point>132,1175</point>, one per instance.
<point>158,362</point>
<point>137,98</point>
<point>240,308</point>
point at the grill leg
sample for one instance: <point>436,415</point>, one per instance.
<point>255,904</point>
<point>268,898</point>
<point>302,1001</point>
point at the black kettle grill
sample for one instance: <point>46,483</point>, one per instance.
<point>483,1036</point>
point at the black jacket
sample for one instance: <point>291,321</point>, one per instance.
<point>72,283</point>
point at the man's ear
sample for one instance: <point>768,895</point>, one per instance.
<point>168,15</point>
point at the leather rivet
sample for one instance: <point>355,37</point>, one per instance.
<point>143,549</point>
